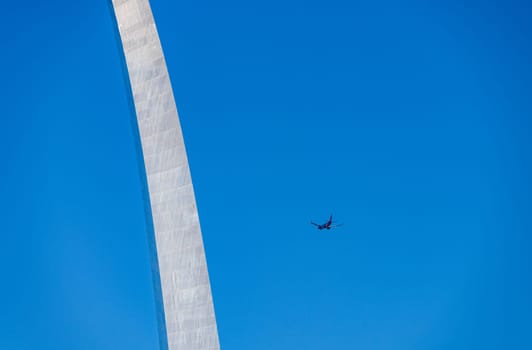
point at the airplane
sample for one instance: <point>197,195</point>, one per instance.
<point>328,225</point>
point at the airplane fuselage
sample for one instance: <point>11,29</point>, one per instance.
<point>326,226</point>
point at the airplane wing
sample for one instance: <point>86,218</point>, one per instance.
<point>314,224</point>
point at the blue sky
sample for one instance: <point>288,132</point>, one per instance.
<point>409,120</point>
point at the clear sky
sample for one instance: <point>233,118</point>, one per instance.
<point>410,121</point>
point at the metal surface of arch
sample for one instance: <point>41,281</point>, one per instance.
<point>184,304</point>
